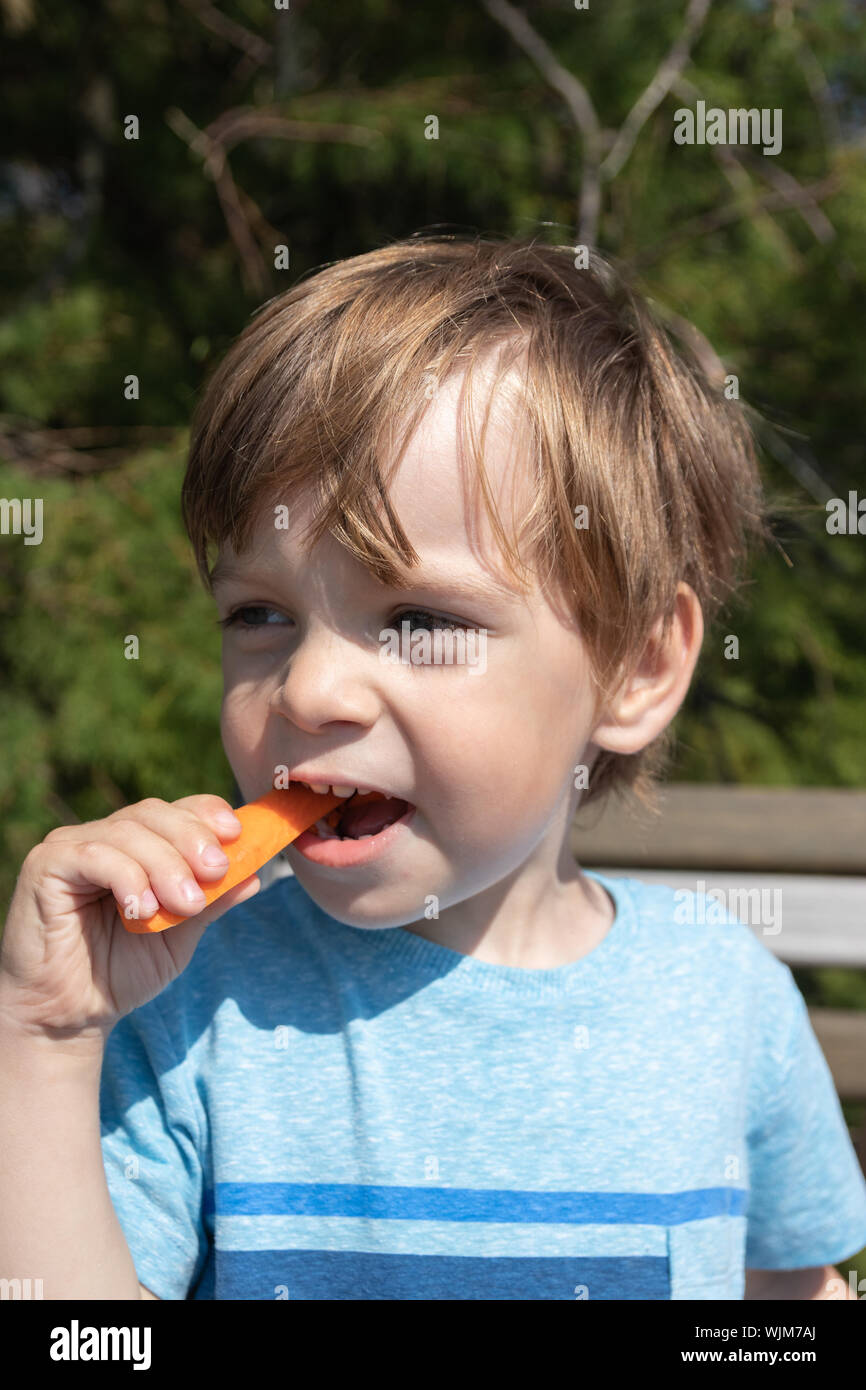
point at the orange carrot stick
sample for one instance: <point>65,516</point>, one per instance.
<point>269,824</point>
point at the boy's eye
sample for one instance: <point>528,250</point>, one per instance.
<point>234,619</point>
<point>433,618</point>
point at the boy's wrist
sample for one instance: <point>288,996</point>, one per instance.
<point>27,1045</point>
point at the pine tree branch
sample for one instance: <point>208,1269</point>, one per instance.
<point>654,94</point>
<point>576,98</point>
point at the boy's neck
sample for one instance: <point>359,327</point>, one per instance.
<point>570,923</point>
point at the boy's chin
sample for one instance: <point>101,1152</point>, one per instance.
<point>364,921</point>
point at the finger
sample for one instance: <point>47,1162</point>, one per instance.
<point>182,933</point>
<point>75,866</point>
<point>215,811</point>
<point>194,840</point>
<point>172,877</point>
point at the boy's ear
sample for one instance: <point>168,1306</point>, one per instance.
<point>650,697</point>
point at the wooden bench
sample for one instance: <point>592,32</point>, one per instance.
<point>808,843</point>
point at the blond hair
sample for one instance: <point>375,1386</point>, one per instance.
<point>313,390</point>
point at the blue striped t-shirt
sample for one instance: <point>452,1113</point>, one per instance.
<point>319,1111</point>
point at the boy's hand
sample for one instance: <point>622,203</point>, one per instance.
<point>69,969</point>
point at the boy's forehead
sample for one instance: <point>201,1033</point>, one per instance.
<point>433,489</point>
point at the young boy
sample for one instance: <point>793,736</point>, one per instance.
<point>439,1060</point>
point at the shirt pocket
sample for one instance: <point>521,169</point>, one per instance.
<point>706,1258</point>
<point>614,1263</point>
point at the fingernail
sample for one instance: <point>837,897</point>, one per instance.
<point>214,857</point>
<point>226,821</point>
<point>191,891</point>
<point>149,903</point>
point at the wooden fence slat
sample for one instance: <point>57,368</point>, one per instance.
<point>783,829</point>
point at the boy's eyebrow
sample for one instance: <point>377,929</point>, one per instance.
<point>469,586</point>
<point>225,570</point>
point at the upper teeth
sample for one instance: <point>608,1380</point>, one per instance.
<point>323,787</point>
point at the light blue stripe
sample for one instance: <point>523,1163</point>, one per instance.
<point>481,1238</point>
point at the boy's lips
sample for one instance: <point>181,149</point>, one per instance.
<point>344,853</point>
<point>330,841</point>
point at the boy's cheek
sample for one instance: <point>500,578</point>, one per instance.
<point>242,744</point>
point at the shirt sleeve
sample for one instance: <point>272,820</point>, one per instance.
<point>807,1201</point>
<point>152,1141</point>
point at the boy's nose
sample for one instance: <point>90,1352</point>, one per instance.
<point>329,681</point>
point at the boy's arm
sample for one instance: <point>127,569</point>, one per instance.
<point>57,1221</point>
<point>819,1282</point>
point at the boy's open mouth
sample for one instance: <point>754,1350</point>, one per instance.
<point>361,816</point>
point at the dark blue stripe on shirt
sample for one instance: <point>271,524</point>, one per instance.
<point>346,1275</point>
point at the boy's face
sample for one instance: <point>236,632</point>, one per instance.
<point>487,756</point>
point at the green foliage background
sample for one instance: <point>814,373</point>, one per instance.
<point>124,265</point>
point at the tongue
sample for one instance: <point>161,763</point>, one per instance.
<point>369,819</point>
